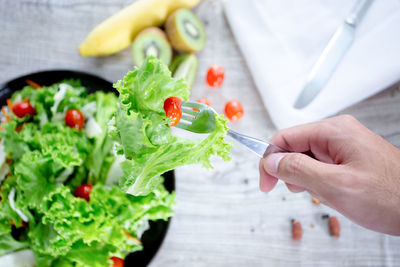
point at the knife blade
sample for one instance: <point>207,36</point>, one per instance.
<point>331,56</point>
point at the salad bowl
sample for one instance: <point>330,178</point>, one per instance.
<point>151,238</point>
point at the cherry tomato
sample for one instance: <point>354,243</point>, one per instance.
<point>74,119</point>
<point>215,76</point>
<point>23,108</point>
<point>172,107</point>
<point>83,191</point>
<point>204,101</point>
<point>234,110</point>
<point>117,262</point>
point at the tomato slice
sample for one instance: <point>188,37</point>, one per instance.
<point>117,261</point>
<point>23,109</point>
<point>215,76</point>
<point>83,191</point>
<point>74,119</point>
<point>234,110</point>
<point>173,110</point>
<point>204,101</point>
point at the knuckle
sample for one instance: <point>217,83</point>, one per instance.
<point>347,118</point>
<point>294,165</point>
<point>346,179</point>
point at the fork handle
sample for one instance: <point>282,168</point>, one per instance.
<point>261,148</point>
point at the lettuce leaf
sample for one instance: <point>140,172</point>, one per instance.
<point>7,242</point>
<point>62,220</point>
<point>14,144</point>
<point>48,162</point>
<point>101,157</point>
<point>51,102</point>
<point>143,130</point>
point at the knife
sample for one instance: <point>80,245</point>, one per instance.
<point>332,54</point>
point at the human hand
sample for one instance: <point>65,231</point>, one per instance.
<point>353,170</point>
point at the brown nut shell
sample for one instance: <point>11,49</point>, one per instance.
<point>334,226</point>
<point>297,231</point>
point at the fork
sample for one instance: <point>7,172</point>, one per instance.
<point>200,118</point>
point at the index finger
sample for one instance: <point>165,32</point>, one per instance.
<point>313,137</point>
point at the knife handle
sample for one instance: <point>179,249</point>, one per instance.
<point>358,12</point>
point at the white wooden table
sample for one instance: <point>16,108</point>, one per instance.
<point>222,219</point>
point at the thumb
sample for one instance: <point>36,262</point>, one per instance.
<point>298,169</point>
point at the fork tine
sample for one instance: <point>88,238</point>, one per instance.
<point>187,118</point>
<point>197,118</point>
<point>190,111</point>
<point>184,126</point>
<point>193,105</point>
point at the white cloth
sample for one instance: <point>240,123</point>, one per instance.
<point>281,40</point>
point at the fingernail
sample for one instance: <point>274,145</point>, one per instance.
<point>271,162</point>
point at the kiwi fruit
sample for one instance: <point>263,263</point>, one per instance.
<point>185,31</point>
<point>151,42</point>
<point>185,66</point>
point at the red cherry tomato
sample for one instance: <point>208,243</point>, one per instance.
<point>117,262</point>
<point>74,119</point>
<point>215,76</point>
<point>172,107</point>
<point>234,110</point>
<point>23,108</point>
<point>83,191</point>
<point>204,101</point>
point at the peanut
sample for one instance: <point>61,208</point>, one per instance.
<point>297,231</point>
<point>315,201</point>
<point>334,226</point>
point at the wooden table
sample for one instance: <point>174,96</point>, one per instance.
<point>222,219</point>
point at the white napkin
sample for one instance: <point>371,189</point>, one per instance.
<point>281,40</point>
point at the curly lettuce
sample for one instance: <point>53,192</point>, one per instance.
<point>47,161</point>
<point>143,131</point>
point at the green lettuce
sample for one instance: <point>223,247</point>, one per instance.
<point>101,156</point>
<point>52,101</point>
<point>61,226</point>
<point>47,162</point>
<point>7,241</point>
<point>143,131</point>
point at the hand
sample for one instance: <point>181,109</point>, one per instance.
<point>350,169</point>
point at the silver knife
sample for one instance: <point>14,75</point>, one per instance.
<point>332,54</point>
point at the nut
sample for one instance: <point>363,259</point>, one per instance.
<point>297,231</point>
<point>315,201</point>
<point>334,226</point>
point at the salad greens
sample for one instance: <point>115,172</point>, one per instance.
<point>125,140</point>
<point>45,161</point>
<point>143,134</point>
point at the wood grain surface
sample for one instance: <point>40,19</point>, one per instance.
<point>222,219</point>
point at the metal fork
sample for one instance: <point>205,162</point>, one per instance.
<point>200,118</point>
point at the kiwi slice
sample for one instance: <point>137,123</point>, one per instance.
<point>151,42</point>
<point>185,66</point>
<point>185,31</point>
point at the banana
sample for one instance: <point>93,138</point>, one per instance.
<point>118,31</point>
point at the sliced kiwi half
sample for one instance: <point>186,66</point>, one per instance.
<point>151,42</point>
<point>185,31</point>
<point>185,66</point>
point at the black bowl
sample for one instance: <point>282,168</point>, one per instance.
<point>153,237</point>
